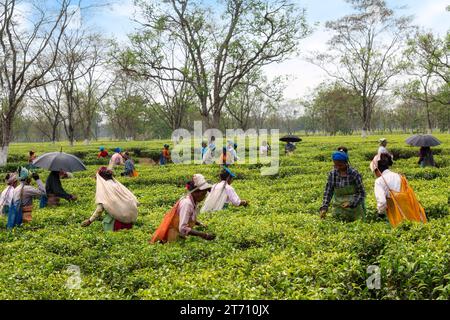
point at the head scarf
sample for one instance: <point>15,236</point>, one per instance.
<point>12,179</point>
<point>24,174</point>
<point>340,156</point>
<point>229,172</point>
<point>102,148</point>
<point>117,150</point>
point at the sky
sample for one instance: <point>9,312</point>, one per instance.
<point>115,20</point>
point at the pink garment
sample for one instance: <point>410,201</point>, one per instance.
<point>116,159</point>
<point>188,211</point>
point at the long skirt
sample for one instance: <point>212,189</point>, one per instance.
<point>111,224</point>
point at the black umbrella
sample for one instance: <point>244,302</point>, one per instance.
<point>290,138</point>
<point>55,161</point>
<point>423,140</point>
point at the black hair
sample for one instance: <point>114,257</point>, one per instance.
<point>385,162</point>
<point>224,175</point>
<point>7,176</point>
<point>190,185</point>
<point>343,149</point>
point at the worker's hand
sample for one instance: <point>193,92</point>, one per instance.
<point>345,205</point>
<point>209,237</point>
<point>73,197</point>
<point>323,213</point>
<point>200,224</point>
<point>86,223</point>
<point>244,203</point>
<point>35,176</point>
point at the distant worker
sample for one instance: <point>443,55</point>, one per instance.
<point>165,155</point>
<point>345,185</point>
<point>103,153</point>
<point>264,148</point>
<point>179,222</point>
<point>129,170</point>
<point>204,149</point>
<point>289,148</point>
<point>31,157</point>
<point>116,159</point>
<point>426,158</point>
<point>383,147</point>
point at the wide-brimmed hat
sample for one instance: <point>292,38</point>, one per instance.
<point>200,182</point>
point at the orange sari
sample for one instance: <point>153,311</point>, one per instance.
<point>168,230</point>
<point>404,205</point>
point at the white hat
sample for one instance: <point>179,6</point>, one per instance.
<point>200,182</point>
<point>382,140</point>
<point>374,163</point>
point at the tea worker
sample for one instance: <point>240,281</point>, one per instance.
<point>103,153</point>
<point>7,195</point>
<point>208,156</point>
<point>165,155</point>
<point>345,185</point>
<point>264,148</point>
<point>289,148</point>
<point>179,221</point>
<point>204,149</point>
<point>130,170</point>
<point>22,204</point>
<point>382,148</point>
<point>31,157</point>
<point>231,148</point>
<point>395,198</point>
<point>54,189</point>
<point>116,159</point>
<point>426,157</point>
<point>119,203</point>
<point>222,194</point>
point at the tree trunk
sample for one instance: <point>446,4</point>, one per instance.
<point>6,137</point>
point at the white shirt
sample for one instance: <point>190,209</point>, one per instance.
<point>382,149</point>
<point>393,181</point>
<point>7,196</point>
<point>232,196</point>
<point>263,150</point>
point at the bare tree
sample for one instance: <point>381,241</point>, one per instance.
<point>253,98</point>
<point>251,34</point>
<point>21,48</point>
<point>94,85</point>
<point>46,107</point>
<point>364,51</point>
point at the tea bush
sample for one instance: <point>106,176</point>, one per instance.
<point>277,248</point>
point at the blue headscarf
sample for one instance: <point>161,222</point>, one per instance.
<point>340,156</point>
<point>102,148</point>
<point>229,172</point>
<point>117,150</point>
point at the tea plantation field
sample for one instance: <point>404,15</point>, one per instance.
<point>277,248</point>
